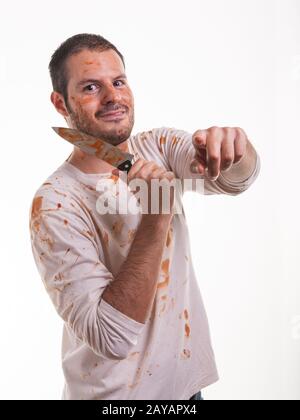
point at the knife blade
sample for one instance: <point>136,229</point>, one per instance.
<point>97,147</point>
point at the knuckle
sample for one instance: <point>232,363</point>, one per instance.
<point>214,129</point>
<point>213,158</point>
<point>228,130</point>
<point>143,173</point>
<point>238,156</point>
<point>227,159</point>
<point>240,131</point>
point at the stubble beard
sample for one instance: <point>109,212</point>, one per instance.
<point>83,123</point>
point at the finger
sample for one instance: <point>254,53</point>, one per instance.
<point>146,171</point>
<point>157,173</point>
<point>136,167</point>
<point>240,145</point>
<point>227,149</point>
<point>199,139</point>
<point>197,167</point>
<point>200,156</point>
<point>213,145</point>
<point>168,175</point>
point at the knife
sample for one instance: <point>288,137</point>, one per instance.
<point>97,147</point>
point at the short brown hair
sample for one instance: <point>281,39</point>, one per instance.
<point>74,45</point>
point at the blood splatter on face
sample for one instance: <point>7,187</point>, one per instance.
<point>97,85</point>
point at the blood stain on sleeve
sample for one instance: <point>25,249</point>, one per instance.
<point>36,213</point>
<point>89,187</point>
<point>175,140</point>
<point>162,141</point>
<point>165,274</point>
<point>60,193</point>
<point>145,135</point>
<point>169,237</point>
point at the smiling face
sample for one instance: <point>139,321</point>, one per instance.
<point>97,85</point>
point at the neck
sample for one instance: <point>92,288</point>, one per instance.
<point>91,164</point>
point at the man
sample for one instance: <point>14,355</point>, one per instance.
<point>134,323</point>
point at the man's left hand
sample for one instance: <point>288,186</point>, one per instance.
<point>217,149</point>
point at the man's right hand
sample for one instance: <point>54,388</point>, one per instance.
<point>148,171</point>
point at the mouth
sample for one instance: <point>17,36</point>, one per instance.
<point>113,116</point>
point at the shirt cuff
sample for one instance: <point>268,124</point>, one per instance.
<point>236,187</point>
<point>123,321</point>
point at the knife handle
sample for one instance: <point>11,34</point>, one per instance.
<point>125,166</point>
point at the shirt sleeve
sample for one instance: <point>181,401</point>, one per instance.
<point>177,150</point>
<point>68,260</point>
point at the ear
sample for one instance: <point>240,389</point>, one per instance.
<point>59,103</point>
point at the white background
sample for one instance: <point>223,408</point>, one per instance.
<point>191,65</point>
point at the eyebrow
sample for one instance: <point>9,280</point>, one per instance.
<point>84,81</point>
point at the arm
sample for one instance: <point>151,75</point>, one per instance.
<point>71,265</point>
<point>134,287</point>
<point>186,155</point>
<point>133,290</point>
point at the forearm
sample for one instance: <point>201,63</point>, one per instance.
<point>244,169</point>
<point>133,290</point>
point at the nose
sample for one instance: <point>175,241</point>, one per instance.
<point>111,94</point>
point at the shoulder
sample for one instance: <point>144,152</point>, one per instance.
<point>58,193</point>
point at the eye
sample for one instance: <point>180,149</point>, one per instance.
<point>89,87</point>
<point>119,81</point>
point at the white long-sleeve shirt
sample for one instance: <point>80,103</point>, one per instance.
<point>78,252</point>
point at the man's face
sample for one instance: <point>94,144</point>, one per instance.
<point>97,85</point>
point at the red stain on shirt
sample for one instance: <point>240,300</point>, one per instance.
<point>162,141</point>
<point>169,237</point>
<point>175,140</point>
<point>35,213</point>
<point>186,354</point>
<point>165,270</point>
<point>187,330</point>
